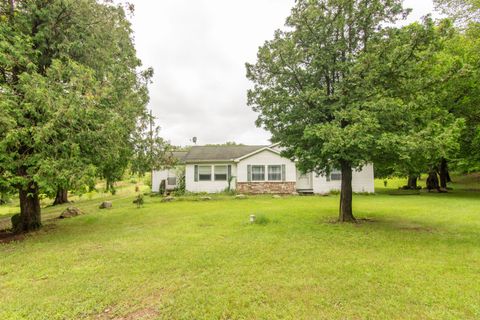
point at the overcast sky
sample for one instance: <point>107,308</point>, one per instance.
<point>198,49</point>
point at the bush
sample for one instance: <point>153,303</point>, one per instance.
<point>180,190</point>
<point>147,180</point>
<point>139,200</point>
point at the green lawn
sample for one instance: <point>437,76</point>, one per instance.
<point>417,257</point>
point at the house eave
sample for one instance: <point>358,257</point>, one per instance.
<point>256,152</point>
<point>209,161</point>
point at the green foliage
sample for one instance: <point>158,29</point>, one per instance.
<point>339,89</point>
<point>150,151</point>
<point>181,186</point>
<point>139,200</point>
<point>70,94</point>
<point>316,92</point>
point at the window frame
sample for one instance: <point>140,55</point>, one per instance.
<point>279,166</point>
<point>168,181</point>
<point>200,174</point>
<point>222,174</point>
<point>252,174</point>
<point>335,173</point>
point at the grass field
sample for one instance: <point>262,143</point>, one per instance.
<point>413,257</point>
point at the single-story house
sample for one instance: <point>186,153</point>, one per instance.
<point>254,169</point>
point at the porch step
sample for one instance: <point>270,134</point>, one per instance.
<point>305,191</point>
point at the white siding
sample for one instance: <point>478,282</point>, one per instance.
<point>266,157</point>
<point>158,176</point>
<point>362,181</point>
<point>207,186</point>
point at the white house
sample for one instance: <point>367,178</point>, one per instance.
<point>169,176</point>
<point>256,169</point>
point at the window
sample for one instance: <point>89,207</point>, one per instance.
<point>204,173</point>
<point>258,173</point>
<point>336,175</point>
<point>172,181</point>
<point>221,173</point>
<point>274,173</point>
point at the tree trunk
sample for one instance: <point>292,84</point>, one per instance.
<point>444,174</point>
<point>11,4</point>
<point>346,212</point>
<point>61,197</point>
<point>432,181</point>
<point>412,182</point>
<point>30,216</point>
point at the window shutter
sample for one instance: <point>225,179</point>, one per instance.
<point>249,173</point>
<point>196,173</point>
<point>229,172</point>
<point>283,172</point>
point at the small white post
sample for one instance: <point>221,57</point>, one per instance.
<point>252,218</point>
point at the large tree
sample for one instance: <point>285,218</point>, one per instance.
<point>461,94</point>
<point>335,89</point>
<point>70,96</point>
<point>427,80</point>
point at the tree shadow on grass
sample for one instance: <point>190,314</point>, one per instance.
<point>7,236</point>
<point>395,223</point>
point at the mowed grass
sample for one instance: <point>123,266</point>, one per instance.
<point>415,257</point>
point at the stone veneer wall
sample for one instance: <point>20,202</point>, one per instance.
<point>266,187</point>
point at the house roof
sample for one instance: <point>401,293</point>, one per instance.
<point>219,153</point>
<point>179,155</point>
<point>265,148</point>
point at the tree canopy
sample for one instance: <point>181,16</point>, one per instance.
<point>341,87</point>
<point>70,96</point>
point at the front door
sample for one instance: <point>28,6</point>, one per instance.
<point>304,181</point>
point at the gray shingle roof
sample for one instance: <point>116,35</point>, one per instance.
<point>179,155</point>
<point>218,153</point>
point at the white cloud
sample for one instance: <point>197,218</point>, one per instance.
<point>198,49</point>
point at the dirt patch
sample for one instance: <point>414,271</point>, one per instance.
<point>144,314</point>
<point>140,314</point>
<point>417,229</point>
<point>146,311</point>
<point>359,221</point>
<point>7,236</point>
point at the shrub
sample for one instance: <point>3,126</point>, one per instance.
<point>139,200</point>
<point>180,190</point>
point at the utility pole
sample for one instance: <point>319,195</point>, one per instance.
<point>151,132</point>
<point>151,147</point>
